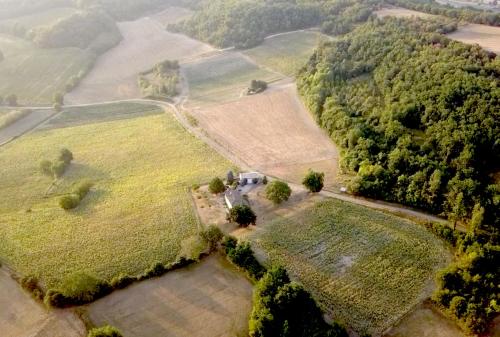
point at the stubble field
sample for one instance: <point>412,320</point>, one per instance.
<point>145,43</point>
<point>273,133</point>
<point>137,213</point>
<point>209,299</point>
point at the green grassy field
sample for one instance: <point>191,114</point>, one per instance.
<point>138,212</point>
<point>287,53</point>
<point>365,267</point>
<point>222,78</point>
<point>35,74</point>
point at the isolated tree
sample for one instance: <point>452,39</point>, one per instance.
<point>58,98</point>
<point>105,331</point>
<point>68,202</point>
<point>243,215</point>
<point>230,178</point>
<point>216,186</point>
<point>65,156</point>
<point>278,192</point>
<point>11,100</point>
<point>314,181</point>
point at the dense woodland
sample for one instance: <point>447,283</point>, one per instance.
<point>92,30</point>
<point>418,119</point>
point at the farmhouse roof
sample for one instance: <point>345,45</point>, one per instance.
<point>234,197</point>
<point>250,175</point>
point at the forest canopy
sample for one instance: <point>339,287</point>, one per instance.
<point>416,114</point>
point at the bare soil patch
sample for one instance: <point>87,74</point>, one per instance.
<point>487,37</point>
<point>145,43</point>
<point>24,125</point>
<point>425,321</point>
<point>210,207</point>
<point>21,316</point>
<point>273,133</point>
<point>172,15</point>
<point>401,12</point>
<point>205,300</point>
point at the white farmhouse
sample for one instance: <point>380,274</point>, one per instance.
<point>251,177</point>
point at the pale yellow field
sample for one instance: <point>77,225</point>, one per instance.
<point>21,316</point>
<point>486,36</point>
<point>273,133</point>
<point>145,43</point>
<point>210,299</point>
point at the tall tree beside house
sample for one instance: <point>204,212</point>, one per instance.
<point>216,186</point>
<point>243,215</point>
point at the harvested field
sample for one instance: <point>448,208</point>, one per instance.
<point>21,316</point>
<point>172,15</point>
<point>287,53</point>
<point>43,18</point>
<point>273,133</point>
<point>222,78</point>
<point>137,213</point>
<point>486,36</point>
<point>425,321</point>
<point>366,268</point>
<point>145,43</point>
<point>210,299</point>
<point>24,124</point>
<point>401,13</point>
<point>35,74</point>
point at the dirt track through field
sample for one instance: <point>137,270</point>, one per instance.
<point>24,125</point>
<point>21,316</point>
<point>210,299</point>
<point>273,133</point>
<point>145,43</point>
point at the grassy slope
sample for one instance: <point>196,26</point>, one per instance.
<point>222,78</point>
<point>35,74</point>
<point>367,268</point>
<point>138,212</point>
<point>286,53</point>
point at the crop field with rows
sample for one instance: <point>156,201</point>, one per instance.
<point>366,268</point>
<point>137,213</point>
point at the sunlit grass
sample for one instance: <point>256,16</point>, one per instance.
<point>138,212</point>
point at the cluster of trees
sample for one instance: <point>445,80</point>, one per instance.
<point>244,24</point>
<point>161,81</point>
<point>417,117</point>
<point>93,30</point>
<point>284,308</point>
<point>466,14</point>
<point>56,169</point>
<point>278,192</point>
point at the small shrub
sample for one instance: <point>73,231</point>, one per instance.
<point>46,168</point>
<point>58,168</point>
<point>278,192</point>
<point>157,269</point>
<point>68,202</point>
<point>216,186</point>
<point>243,215</point>
<point>105,331</point>
<point>230,178</point>
<point>122,281</point>
<point>314,181</point>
